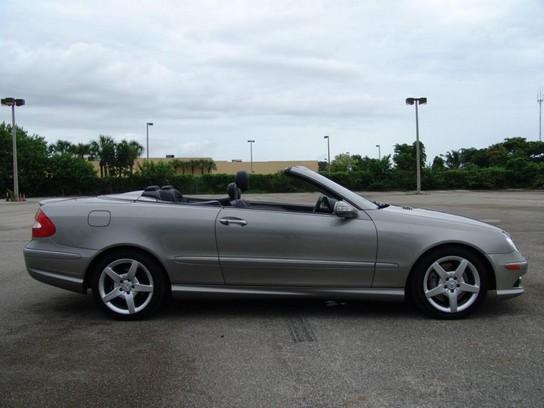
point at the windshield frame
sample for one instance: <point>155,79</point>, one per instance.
<point>326,184</point>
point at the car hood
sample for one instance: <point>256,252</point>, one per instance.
<point>431,215</point>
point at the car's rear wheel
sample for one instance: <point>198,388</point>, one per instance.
<point>449,283</point>
<point>128,284</point>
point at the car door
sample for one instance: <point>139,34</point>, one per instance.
<point>184,238</point>
<point>282,248</point>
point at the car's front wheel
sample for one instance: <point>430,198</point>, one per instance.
<point>449,283</point>
<point>128,284</point>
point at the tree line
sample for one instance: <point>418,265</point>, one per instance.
<point>63,168</point>
<point>513,163</point>
<point>115,159</point>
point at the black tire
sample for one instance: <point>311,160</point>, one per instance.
<point>454,297</point>
<point>148,274</point>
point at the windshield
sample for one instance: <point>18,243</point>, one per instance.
<point>348,195</point>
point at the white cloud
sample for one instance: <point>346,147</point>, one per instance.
<point>212,74</point>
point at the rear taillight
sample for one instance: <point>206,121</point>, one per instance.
<point>43,227</point>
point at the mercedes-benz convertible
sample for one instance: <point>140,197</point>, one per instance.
<point>133,250</point>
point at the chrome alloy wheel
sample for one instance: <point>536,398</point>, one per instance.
<point>125,286</point>
<point>451,284</point>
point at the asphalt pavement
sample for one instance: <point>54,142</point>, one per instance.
<point>58,349</point>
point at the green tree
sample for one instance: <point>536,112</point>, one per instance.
<point>104,150</point>
<point>342,162</point>
<point>438,164</point>
<point>535,151</point>
<point>404,156</point>
<point>179,165</point>
<point>156,172</point>
<point>31,157</point>
<point>126,154</point>
<point>61,147</point>
<point>375,167</point>
<point>135,151</point>
<point>208,165</point>
<point>82,150</point>
<point>472,156</point>
<point>71,174</point>
<point>453,159</point>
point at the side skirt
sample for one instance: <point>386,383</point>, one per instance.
<point>257,291</point>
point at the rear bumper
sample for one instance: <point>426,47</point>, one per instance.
<point>64,268</point>
<point>58,280</point>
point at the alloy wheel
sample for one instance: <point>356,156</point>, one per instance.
<point>125,286</point>
<point>451,284</point>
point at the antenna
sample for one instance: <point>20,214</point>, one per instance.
<point>539,99</point>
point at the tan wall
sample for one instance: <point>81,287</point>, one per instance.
<point>226,167</point>
<point>262,167</point>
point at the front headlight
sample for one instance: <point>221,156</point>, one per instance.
<point>510,241</point>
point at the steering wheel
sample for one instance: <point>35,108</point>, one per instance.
<point>323,200</point>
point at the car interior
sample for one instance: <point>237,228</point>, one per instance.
<point>169,194</point>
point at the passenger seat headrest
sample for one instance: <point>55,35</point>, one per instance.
<point>233,191</point>
<point>242,180</point>
<point>166,193</point>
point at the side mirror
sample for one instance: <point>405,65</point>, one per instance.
<point>344,210</point>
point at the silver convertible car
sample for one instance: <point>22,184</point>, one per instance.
<point>134,249</point>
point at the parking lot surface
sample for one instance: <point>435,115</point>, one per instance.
<point>57,349</point>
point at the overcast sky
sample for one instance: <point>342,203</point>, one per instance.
<point>212,74</point>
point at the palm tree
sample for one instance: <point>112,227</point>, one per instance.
<point>192,164</point>
<point>81,150</point>
<point>61,147</point>
<point>453,159</point>
<point>135,149</point>
<point>122,157</point>
<point>202,164</point>
<point>104,151</point>
<point>210,165</point>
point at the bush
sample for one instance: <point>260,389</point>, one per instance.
<point>72,176</point>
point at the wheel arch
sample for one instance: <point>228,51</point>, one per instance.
<point>492,283</point>
<point>106,251</point>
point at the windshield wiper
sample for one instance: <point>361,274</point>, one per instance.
<point>380,205</point>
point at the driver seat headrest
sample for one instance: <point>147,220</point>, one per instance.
<point>242,180</point>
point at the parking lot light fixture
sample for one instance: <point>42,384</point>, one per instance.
<point>379,152</point>
<point>13,102</point>
<point>416,102</point>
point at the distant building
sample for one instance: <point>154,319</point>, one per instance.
<point>224,166</point>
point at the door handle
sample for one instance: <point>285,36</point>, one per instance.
<point>228,221</point>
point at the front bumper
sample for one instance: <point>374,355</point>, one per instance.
<point>509,268</point>
<point>64,267</point>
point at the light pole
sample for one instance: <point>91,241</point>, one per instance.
<point>379,152</point>
<point>13,103</point>
<point>328,152</point>
<point>251,153</point>
<point>539,99</point>
<point>416,102</point>
<point>147,138</point>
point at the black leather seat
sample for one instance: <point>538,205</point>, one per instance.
<point>234,190</point>
<point>172,194</point>
<point>166,193</point>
